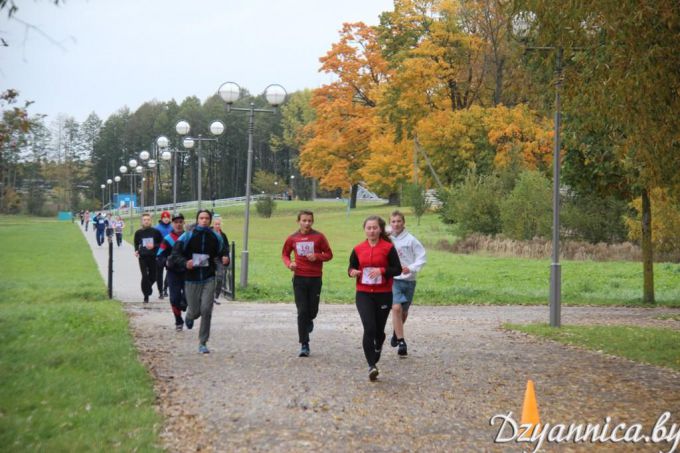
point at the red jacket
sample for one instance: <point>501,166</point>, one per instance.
<point>382,255</point>
<point>303,245</point>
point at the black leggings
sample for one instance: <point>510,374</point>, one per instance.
<point>374,309</point>
<point>147,265</point>
<point>307,294</point>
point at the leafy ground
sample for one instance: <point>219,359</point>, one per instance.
<point>69,375</point>
<point>656,346</point>
<point>448,278</point>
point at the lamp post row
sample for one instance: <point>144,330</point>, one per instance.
<point>229,92</point>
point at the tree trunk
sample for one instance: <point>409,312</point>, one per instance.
<point>647,251</point>
<point>353,196</point>
<point>394,199</point>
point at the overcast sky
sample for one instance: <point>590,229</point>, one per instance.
<point>110,53</point>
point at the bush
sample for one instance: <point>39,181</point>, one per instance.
<point>473,205</point>
<point>594,219</point>
<point>527,212</point>
<point>265,206</point>
<point>416,198</point>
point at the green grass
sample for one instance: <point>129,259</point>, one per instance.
<point>447,278</point>
<point>651,345</point>
<point>70,379</point>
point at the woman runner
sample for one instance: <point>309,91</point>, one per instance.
<point>373,263</point>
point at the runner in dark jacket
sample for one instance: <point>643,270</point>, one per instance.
<point>175,274</point>
<point>196,250</point>
<point>146,242</point>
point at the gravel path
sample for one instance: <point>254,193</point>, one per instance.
<point>252,393</point>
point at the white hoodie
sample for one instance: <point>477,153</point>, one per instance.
<point>411,254</point>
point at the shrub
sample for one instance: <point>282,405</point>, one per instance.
<point>416,199</point>
<point>473,205</point>
<point>594,219</point>
<point>265,206</point>
<point>527,211</point>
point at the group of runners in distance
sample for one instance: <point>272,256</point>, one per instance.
<point>384,265</point>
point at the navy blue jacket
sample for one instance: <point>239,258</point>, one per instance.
<point>203,241</point>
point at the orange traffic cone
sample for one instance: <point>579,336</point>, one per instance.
<point>530,408</point>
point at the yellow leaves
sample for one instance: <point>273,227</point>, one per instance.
<point>665,221</point>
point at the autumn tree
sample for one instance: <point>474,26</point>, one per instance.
<point>622,77</point>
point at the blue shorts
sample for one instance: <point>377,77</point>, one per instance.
<point>402,292</point>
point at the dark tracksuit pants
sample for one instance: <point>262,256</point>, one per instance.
<point>374,309</point>
<point>147,264</point>
<point>100,236</point>
<point>307,294</point>
<point>177,296</point>
<point>119,238</point>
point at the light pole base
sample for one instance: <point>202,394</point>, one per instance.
<point>244,269</point>
<point>555,295</point>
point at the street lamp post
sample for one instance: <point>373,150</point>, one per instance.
<point>123,169</point>
<point>117,180</point>
<point>166,155</point>
<point>521,27</point>
<point>103,186</point>
<point>183,128</point>
<point>108,184</point>
<point>275,95</point>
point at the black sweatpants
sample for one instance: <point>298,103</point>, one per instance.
<point>307,294</point>
<point>374,309</point>
<point>178,300</point>
<point>147,264</point>
<point>119,238</point>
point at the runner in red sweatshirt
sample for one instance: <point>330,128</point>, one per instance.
<point>310,249</point>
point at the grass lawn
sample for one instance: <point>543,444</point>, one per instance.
<point>446,279</point>
<point>69,374</point>
<point>655,346</point>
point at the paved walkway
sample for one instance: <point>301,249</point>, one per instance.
<point>253,394</point>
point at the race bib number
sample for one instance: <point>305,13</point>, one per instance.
<point>304,248</point>
<point>147,243</point>
<point>366,280</point>
<point>200,259</point>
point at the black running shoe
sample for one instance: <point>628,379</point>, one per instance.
<point>373,373</point>
<point>304,350</point>
<point>393,340</point>
<point>403,350</point>
<point>146,299</point>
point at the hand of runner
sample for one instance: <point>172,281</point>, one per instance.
<point>405,270</point>
<point>292,266</point>
<point>354,272</point>
<point>136,254</point>
<point>190,264</point>
<point>375,273</point>
<point>311,257</point>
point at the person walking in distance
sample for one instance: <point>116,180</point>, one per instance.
<point>175,273</point>
<point>412,257</point>
<point>146,242</point>
<point>100,227</point>
<point>196,251</point>
<point>165,228</point>
<point>310,249</point>
<point>373,263</point>
<point>220,269</point>
<point>118,227</point>
<point>87,219</point>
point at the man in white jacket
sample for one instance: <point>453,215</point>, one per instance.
<point>413,257</point>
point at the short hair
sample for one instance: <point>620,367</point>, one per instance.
<point>398,213</point>
<point>210,214</point>
<point>305,212</point>
<point>146,214</point>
